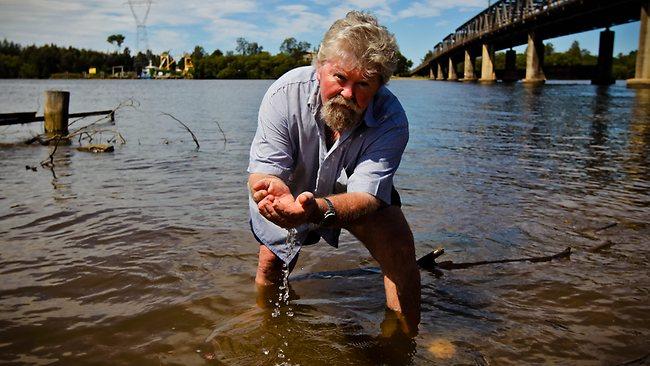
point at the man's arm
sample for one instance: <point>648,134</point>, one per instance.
<point>285,211</point>
<point>349,207</point>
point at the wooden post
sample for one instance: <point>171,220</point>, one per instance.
<point>56,112</point>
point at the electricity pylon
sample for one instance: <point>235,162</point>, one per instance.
<point>141,23</point>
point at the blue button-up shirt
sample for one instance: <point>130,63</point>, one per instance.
<point>290,143</point>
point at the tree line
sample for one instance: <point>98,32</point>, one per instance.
<point>248,61</point>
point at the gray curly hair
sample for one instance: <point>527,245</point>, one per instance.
<point>360,42</point>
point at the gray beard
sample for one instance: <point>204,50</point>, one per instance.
<point>340,114</point>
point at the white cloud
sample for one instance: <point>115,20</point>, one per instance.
<point>433,8</point>
<point>180,26</point>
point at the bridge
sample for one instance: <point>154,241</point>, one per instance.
<point>510,23</point>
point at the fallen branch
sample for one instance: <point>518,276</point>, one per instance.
<point>428,261</point>
<point>187,128</point>
<point>45,139</point>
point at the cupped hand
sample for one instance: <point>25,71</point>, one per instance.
<point>269,186</point>
<point>287,212</point>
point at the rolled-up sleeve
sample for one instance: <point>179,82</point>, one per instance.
<point>378,162</point>
<point>271,150</point>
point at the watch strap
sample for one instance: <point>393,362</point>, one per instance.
<point>330,214</point>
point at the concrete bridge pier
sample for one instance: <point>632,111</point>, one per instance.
<point>432,71</point>
<point>534,60</point>
<point>510,73</point>
<point>468,74</point>
<point>642,73</point>
<point>487,65</point>
<point>451,75</point>
<point>605,59</point>
<point>441,74</point>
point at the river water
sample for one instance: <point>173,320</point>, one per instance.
<point>144,256</point>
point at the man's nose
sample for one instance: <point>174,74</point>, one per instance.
<point>347,91</point>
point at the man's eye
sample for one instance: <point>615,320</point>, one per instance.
<point>339,77</point>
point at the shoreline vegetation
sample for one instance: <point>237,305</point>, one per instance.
<point>248,61</point>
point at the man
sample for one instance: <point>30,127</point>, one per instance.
<point>329,140</point>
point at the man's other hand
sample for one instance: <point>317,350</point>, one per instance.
<point>268,186</point>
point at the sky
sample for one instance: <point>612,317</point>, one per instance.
<point>178,26</point>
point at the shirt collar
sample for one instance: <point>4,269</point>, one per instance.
<point>369,114</point>
<point>314,99</point>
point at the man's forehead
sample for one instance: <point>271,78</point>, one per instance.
<point>348,68</point>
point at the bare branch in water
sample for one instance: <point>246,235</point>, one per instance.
<point>428,261</point>
<point>48,164</point>
<point>88,130</point>
<point>128,103</point>
<point>187,128</point>
<point>225,140</point>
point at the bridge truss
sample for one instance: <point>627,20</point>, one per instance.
<point>509,23</point>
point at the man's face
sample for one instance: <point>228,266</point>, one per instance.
<point>345,94</point>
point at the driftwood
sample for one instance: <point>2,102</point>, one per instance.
<point>97,148</point>
<point>88,130</point>
<point>428,262</point>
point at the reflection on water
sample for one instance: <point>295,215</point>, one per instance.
<point>143,256</point>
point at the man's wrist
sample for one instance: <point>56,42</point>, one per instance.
<point>329,216</point>
<point>319,212</point>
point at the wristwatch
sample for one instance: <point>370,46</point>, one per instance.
<point>330,215</point>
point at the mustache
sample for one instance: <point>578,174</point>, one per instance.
<point>339,101</point>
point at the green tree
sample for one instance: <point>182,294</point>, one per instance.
<point>549,49</point>
<point>574,53</point>
<point>294,48</point>
<point>116,39</point>
<point>242,45</point>
<point>403,65</point>
<point>246,48</point>
<point>198,54</point>
<point>624,66</point>
<point>427,55</point>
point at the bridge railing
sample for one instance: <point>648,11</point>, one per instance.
<point>502,13</point>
